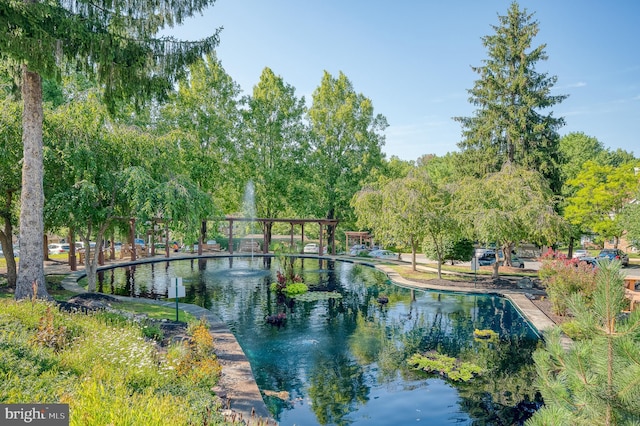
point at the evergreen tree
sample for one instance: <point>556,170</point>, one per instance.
<point>509,124</point>
<point>112,41</point>
<point>597,380</point>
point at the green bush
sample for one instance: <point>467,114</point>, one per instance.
<point>294,289</point>
<point>564,277</point>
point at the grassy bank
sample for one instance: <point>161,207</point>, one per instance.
<point>104,368</point>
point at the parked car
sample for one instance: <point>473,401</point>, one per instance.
<point>359,252</point>
<point>591,261</point>
<point>488,259</point>
<point>614,254</point>
<point>383,254</point>
<point>580,253</point>
<point>311,248</point>
<point>57,248</point>
<point>484,252</point>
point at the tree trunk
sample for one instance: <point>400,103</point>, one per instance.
<point>6,240</point>
<point>30,281</point>
<point>268,227</point>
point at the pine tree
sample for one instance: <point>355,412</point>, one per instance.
<point>509,124</point>
<point>112,41</point>
<point>597,380</point>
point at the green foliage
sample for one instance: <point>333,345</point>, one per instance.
<point>562,278</point>
<point>509,125</point>
<point>450,368</point>
<point>600,193</point>
<point>453,249</point>
<point>526,211</point>
<point>630,216</point>
<point>596,380</point>
<point>407,212</point>
<point>276,146</point>
<point>294,289</point>
<point>107,372</point>
<point>203,117</point>
<point>346,145</point>
<point>485,335</point>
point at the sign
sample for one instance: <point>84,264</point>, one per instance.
<point>474,264</point>
<point>176,286</point>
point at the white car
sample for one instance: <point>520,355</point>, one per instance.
<point>311,248</point>
<point>56,248</point>
<point>580,253</point>
<point>384,254</point>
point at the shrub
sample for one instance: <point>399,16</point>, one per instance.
<point>295,289</point>
<point>564,277</point>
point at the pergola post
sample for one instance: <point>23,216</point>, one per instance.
<point>291,245</point>
<point>132,240</point>
<point>166,239</point>
<point>230,236</point>
<point>320,248</point>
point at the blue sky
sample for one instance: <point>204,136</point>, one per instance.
<point>413,59</point>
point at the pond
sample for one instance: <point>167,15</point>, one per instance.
<point>340,357</point>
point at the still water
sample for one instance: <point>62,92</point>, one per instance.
<point>339,358</point>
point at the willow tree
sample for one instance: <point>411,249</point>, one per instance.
<point>524,212</point>
<point>512,97</point>
<point>10,155</point>
<point>114,42</point>
<point>407,211</point>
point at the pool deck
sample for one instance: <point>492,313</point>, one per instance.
<point>237,383</point>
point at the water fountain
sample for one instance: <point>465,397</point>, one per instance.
<point>249,211</point>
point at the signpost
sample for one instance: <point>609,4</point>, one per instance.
<point>176,290</point>
<point>474,268</point>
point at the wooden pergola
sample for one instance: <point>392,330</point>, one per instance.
<point>150,236</point>
<point>359,236</point>
<point>267,221</point>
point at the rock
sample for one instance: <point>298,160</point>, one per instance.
<point>524,283</point>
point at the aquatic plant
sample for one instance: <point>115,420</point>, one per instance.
<point>448,367</point>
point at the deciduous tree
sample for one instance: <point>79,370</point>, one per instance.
<point>10,160</point>
<point>512,205</point>
<point>276,142</point>
<point>601,192</point>
<point>346,145</point>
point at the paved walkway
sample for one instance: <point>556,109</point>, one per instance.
<point>237,377</point>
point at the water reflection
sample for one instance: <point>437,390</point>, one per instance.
<point>343,360</point>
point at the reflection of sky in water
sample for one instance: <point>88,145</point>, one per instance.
<point>343,360</point>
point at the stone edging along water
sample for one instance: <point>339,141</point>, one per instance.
<point>237,378</point>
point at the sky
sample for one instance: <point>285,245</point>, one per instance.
<point>413,59</point>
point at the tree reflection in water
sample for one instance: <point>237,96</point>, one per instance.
<point>343,360</point>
